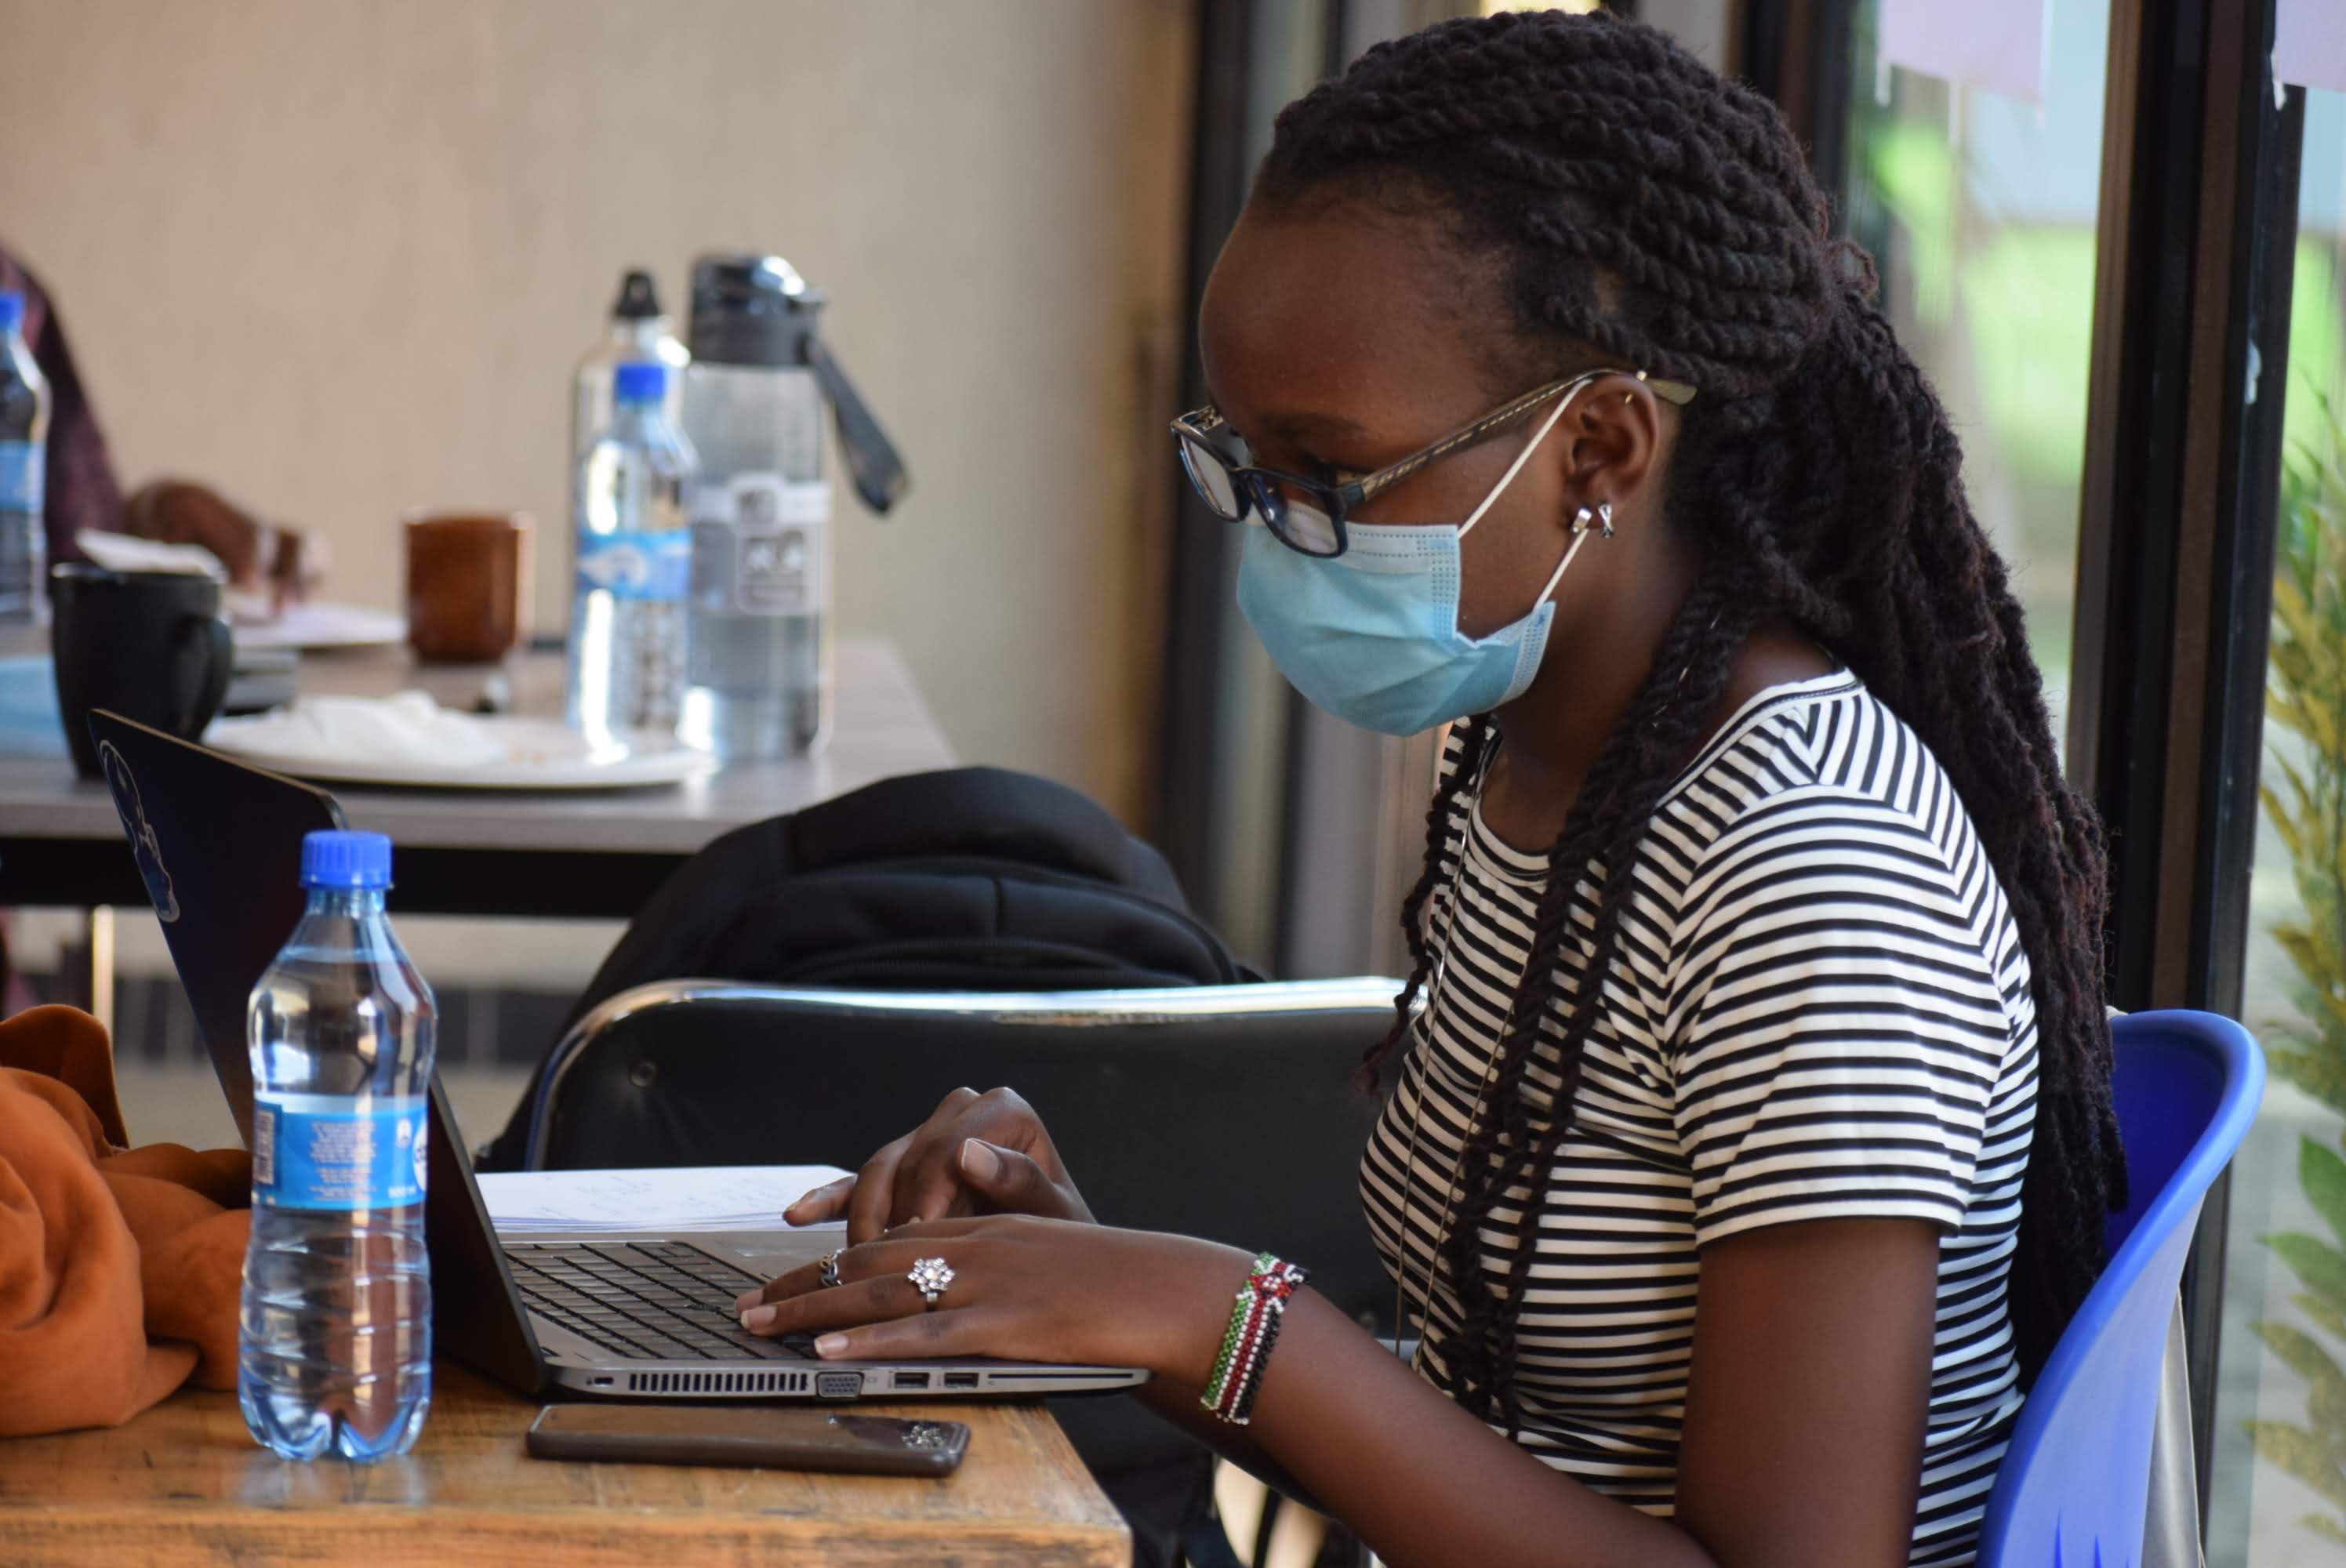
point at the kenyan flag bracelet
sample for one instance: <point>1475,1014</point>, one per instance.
<point>1254,1328</point>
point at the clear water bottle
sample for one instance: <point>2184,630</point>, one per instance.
<point>637,331</point>
<point>23,463</point>
<point>634,543</point>
<point>754,397</point>
<point>337,1320</point>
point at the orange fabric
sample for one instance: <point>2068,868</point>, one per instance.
<point>119,1270</point>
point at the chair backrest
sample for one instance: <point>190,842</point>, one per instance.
<point>1222,1111</point>
<point>2075,1480</point>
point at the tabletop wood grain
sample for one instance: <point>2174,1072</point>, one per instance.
<point>184,1484</point>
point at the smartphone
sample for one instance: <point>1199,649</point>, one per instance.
<point>749,1434</point>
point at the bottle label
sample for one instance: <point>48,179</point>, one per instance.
<point>761,546</point>
<point>330,1152</point>
<point>654,566</point>
<point>23,473</point>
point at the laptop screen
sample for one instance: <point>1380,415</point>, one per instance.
<point>218,847</point>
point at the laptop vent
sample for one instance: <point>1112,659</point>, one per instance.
<point>717,1382</point>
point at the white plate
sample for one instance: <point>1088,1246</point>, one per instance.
<point>543,754</point>
<point>323,625</point>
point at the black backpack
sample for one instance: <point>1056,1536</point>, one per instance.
<point>974,879</point>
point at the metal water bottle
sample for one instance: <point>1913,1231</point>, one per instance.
<point>758,658</point>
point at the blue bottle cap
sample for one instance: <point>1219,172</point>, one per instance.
<point>639,383</point>
<point>345,860</point>
<point>12,310</point>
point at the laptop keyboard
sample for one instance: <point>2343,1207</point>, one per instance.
<point>651,1300</point>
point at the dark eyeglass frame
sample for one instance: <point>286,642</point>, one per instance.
<point>1257,489</point>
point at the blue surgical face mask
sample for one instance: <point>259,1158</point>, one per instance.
<point>1371,636</point>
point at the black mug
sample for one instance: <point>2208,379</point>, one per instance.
<point>149,645</point>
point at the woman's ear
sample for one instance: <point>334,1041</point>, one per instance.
<point>1612,438</point>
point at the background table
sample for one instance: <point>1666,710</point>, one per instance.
<point>496,852</point>
<point>184,1483</point>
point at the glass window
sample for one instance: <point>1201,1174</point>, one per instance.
<point>1980,212</point>
<point>2278,1492</point>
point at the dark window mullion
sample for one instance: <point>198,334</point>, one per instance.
<point>2176,547</point>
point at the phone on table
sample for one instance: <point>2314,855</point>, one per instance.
<point>749,1434</point>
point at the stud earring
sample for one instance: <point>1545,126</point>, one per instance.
<point>1580,522</point>
<point>1605,518</point>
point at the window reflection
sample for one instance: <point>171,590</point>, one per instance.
<point>1980,211</point>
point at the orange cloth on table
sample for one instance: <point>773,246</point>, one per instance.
<point>119,1268</point>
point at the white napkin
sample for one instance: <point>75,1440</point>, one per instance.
<point>128,553</point>
<point>407,728</point>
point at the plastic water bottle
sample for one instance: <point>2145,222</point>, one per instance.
<point>337,1320</point>
<point>634,539</point>
<point>636,330</point>
<point>24,462</point>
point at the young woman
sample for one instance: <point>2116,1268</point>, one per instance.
<point>1565,419</point>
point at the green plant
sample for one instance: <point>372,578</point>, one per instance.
<point>2305,800</point>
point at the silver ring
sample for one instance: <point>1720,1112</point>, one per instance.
<point>828,1275</point>
<point>930,1276</point>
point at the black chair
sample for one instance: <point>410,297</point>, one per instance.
<point>1227,1112</point>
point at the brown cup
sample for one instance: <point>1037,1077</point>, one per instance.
<point>467,586</point>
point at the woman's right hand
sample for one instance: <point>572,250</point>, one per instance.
<point>977,1153</point>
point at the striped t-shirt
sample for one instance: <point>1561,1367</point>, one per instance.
<point>1820,1008</point>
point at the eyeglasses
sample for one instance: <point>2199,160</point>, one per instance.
<point>1308,515</point>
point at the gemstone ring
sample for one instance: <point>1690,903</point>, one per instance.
<point>930,1276</point>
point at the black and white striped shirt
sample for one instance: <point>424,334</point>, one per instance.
<point>1820,1008</point>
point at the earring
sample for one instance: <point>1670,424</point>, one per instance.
<point>1605,518</point>
<point>1580,522</point>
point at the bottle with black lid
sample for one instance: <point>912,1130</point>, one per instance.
<point>759,645</point>
<point>638,333</point>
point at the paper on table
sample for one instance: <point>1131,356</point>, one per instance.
<point>317,623</point>
<point>682,1198</point>
<point>128,553</point>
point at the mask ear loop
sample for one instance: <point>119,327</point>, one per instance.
<point>1523,457</point>
<point>1579,535</point>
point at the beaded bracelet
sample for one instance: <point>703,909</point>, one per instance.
<point>1246,1346</point>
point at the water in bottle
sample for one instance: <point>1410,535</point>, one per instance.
<point>634,539</point>
<point>337,1319</point>
<point>24,452</point>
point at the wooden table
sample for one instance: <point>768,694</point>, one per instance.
<point>481,852</point>
<point>184,1483</point>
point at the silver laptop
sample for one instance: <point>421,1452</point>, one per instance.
<point>218,845</point>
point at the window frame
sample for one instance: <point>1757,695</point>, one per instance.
<point>2196,231</point>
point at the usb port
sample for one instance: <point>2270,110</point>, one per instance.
<point>912,1379</point>
<point>961,1380</point>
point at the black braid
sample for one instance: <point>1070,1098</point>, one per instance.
<point>1414,920</point>
<point>1647,213</point>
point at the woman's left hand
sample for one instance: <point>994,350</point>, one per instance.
<point>1023,1289</point>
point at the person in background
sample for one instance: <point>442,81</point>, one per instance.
<point>85,497</point>
<point>84,494</point>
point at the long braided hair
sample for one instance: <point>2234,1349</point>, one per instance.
<point>1640,209</point>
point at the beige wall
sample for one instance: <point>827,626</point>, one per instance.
<point>338,257</point>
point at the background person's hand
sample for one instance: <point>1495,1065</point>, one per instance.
<point>286,563</point>
<point>977,1153</point>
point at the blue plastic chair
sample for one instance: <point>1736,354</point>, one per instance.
<point>2076,1481</point>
